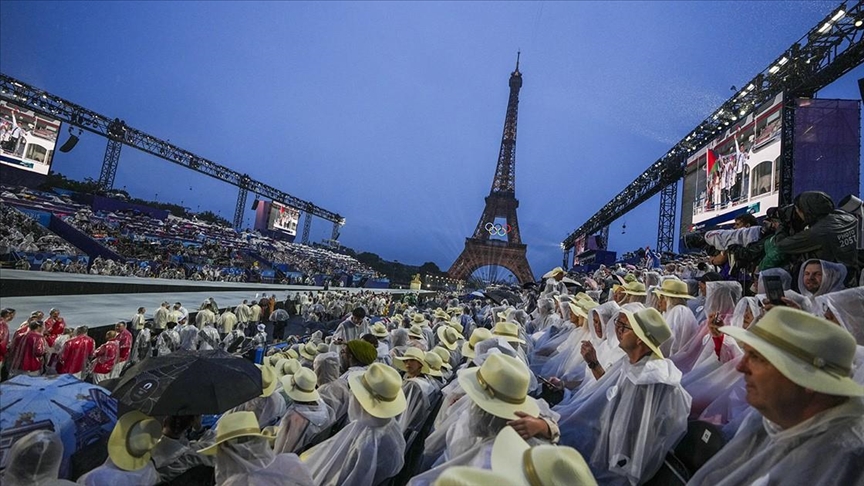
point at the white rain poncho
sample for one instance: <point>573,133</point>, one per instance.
<point>824,450</point>
<point>644,417</point>
<point>337,394</point>
<point>108,473</point>
<point>240,460</point>
<point>326,367</point>
<point>545,315</point>
<point>547,343</point>
<point>833,275</point>
<point>420,393</point>
<point>34,460</point>
<point>682,323</point>
<point>720,299</point>
<point>301,423</point>
<point>268,410</point>
<point>712,378</point>
<point>785,279</point>
<point>723,239</point>
<point>364,453</point>
<point>652,281</point>
<point>847,306</point>
<point>607,352</point>
<point>284,470</point>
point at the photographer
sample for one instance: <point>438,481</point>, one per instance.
<point>830,234</point>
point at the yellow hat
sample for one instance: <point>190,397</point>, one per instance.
<point>415,331</point>
<point>543,465</point>
<point>300,386</point>
<point>500,386</point>
<point>672,287</point>
<point>412,353</point>
<point>379,390</point>
<point>508,330</point>
<point>132,439</point>
<point>233,425</point>
<point>449,337</point>
<point>650,327</point>
<point>444,354</point>
<point>479,334</point>
<point>635,288</point>
<point>379,330</point>
<point>268,380</point>
<point>309,350</point>
<point>434,363</point>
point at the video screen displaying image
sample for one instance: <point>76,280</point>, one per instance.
<point>27,139</point>
<point>283,218</point>
<point>738,170</point>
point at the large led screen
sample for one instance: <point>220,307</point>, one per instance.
<point>739,171</point>
<point>283,218</point>
<point>27,139</point>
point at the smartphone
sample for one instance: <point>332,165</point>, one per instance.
<point>773,289</point>
<point>544,380</point>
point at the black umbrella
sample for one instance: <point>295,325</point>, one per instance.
<point>499,295</point>
<point>189,383</point>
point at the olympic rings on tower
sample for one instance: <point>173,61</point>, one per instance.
<point>498,229</point>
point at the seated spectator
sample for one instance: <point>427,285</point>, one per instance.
<point>419,390</point>
<point>173,455</point>
<point>34,460</point>
<point>269,407</point>
<point>357,355</point>
<point>129,447</point>
<point>810,420</point>
<point>819,277</point>
<point>307,415</point>
<point>370,448</point>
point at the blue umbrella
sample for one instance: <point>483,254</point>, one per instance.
<point>80,413</point>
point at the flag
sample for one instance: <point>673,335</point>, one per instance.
<point>711,166</point>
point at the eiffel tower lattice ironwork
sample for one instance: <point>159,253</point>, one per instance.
<point>481,249</point>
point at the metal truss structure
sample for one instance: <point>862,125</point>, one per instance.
<point>828,51</point>
<point>119,134</point>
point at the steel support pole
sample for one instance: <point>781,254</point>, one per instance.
<point>307,227</point>
<point>109,164</point>
<point>666,225</point>
<point>240,208</point>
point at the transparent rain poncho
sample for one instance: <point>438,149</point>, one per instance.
<point>419,395</point>
<point>546,345</point>
<point>326,367</point>
<point>35,460</point>
<point>545,315</point>
<point>720,300</point>
<point>364,453</point>
<point>249,460</point>
<point>683,325</point>
<point>824,450</point>
<point>785,279</point>
<point>644,417</point>
<point>847,307</point>
<point>108,473</point>
<point>301,423</point>
<point>268,410</point>
<point>605,355</point>
<point>833,275</point>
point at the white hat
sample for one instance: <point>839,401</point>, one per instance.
<point>415,331</point>
<point>508,330</point>
<point>132,439</point>
<point>309,350</point>
<point>479,334</point>
<point>379,330</point>
<point>434,363</point>
<point>810,351</point>
<point>233,425</point>
<point>269,379</point>
<point>672,287</point>
<point>379,390</point>
<point>500,386</point>
<point>650,327</point>
<point>449,337</point>
<point>444,354</point>
<point>412,354</point>
<point>543,465</point>
<point>300,386</point>
<point>472,476</point>
<point>553,272</point>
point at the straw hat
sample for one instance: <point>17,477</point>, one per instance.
<point>553,272</point>
<point>456,323</point>
<point>323,348</point>
<point>504,314</point>
<point>418,318</point>
<point>444,354</point>
<point>291,354</point>
<point>544,465</point>
<point>454,311</point>
<point>132,439</point>
<point>449,337</point>
<point>587,304</point>
<point>441,314</point>
<point>810,351</point>
<point>309,350</point>
<point>500,386</point>
<point>472,476</point>
<point>576,309</point>
<point>398,318</point>
<point>650,327</point>
<point>233,425</point>
<point>509,331</point>
<point>379,390</point>
<point>415,354</point>
<point>273,359</point>
<point>379,330</point>
<point>635,288</point>
<point>287,367</point>
<point>268,380</point>
<point>434,362</point>
<point>300,386</point>
<point>479,334</point>
<point>415,331</point>
<point>673,288</point>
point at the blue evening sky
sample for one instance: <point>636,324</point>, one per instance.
<point>390,113</point>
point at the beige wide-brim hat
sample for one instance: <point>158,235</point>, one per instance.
<point>509,331</point>
<point>379,330</point>
<point>269,379</point>
<point>454,311</point>
<point>309,351</point>
<point>553,272</point>
<point>471,476</point>
<point>291,354</point>
<point>323,348</point>
<point>674,288</point>
<point>300,386</point>
<point>456,323</point>
<point>480,334</point>
<point>500,386</point>
<point>233,425</point>
<point>418,318</point>
<point>434,362</point>
<point>576,309</point>
<point>449,337</point>
<point>635,288</point>
<point>409,354</point>
<point>504,314</point>
<point>543,465</point>
<point>650,327</point>
<point>445,356</point>
<point>379,390</point>
<point>415,331</point>
<point>810,351</point>
<point>132,439</point>
<point>441,314</point>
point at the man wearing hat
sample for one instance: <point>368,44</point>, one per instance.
<point>634,414</point>
<point>810,420</point>
<point>352,328</point>
<point>419,390</point>
<point>129,446</point>
<point>554,281</point>
<point>672,298</point>
<point>355,356</point>
<point>307,415</point>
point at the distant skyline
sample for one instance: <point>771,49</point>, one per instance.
<point>390,113</point>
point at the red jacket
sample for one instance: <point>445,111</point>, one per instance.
<point>106,357</point>
<point>125,341</point>
<point>28,352</point>
<point>76,352</point>
<point>53,328</point>
<point>4,338</point>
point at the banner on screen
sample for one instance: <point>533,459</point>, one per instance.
<point>27,139</point>
<point>283,218</point>
<point>738,170</point>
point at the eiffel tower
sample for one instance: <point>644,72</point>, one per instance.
<point>480,249</point>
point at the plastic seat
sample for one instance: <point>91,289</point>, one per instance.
<point>699,444</point>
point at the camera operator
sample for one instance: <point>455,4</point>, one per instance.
<point>830,234</point>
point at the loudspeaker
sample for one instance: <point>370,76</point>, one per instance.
<point>70,144</point>
<point>255,204</point>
